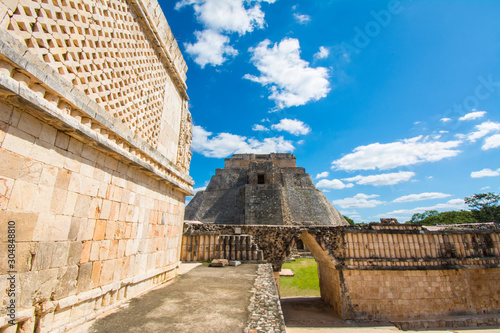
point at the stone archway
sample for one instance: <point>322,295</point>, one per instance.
<point>329,276</point>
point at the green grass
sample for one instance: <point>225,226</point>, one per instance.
<point>304,283</point>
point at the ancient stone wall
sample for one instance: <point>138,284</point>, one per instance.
<point>94,157</point>
<point>390,271</point>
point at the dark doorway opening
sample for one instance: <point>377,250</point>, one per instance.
<point>260,178</point>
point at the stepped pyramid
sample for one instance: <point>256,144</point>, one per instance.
<point>267,189</point>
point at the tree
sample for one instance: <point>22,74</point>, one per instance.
<point>420,217</point>
<point>432,217</point>
<point>484,206</point>
<point>350,221</point>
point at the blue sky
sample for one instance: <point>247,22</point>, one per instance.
<point>392,107</point>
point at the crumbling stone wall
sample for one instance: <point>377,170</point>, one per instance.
<point>94,157</point>
<point>390,271</point>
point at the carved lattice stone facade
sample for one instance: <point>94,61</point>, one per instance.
<point>95,134</point>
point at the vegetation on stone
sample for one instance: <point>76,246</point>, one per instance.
<point>304,283</point>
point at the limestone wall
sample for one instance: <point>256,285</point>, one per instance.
<point>94,157</point>
<point>398,294</point>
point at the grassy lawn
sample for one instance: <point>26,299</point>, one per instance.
<point>304,283</point>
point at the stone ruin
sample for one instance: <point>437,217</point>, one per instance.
<point>267,189</point>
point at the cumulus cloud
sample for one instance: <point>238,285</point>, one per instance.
<point>292,126</point>
<point>445,120</point>
<point>211,48</point>
<point>219,18</point>
<point>491,142</point>
<point>334,184</point>
<point>421,196</point>
<point>382,179</point>
<point>483,130</point>
<point>473,115</point>
<point>290,79</point>
<point>225,144</point>
<point>360,200</point>
<point>322,53</point>
<point>485,173</point>
<point>261,128</point>
<point>301,18</point>
<point>385,156</point>
<point>322,175</point>
<point>453,204</point>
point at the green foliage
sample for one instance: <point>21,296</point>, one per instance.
<point>350,221</point>
<point>484,206</point>
<point>432,217</point>
<point>304,283</point>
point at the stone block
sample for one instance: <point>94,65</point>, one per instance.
<point>219,263</point>
<point>31,171</point>
<point>96,273</point>
<point>67,279</point>
<point>41,201</point>
<point>30,125</point>
<point>43,229</point>
<point>48,176</point>
<point>48,134</point>
<point>46,283</point>
<point>60,230</point>
<point>63,179</point>
<point>21,198</point>
<point>18,141</point>
<point>62,140</point>
<point>75,253</point>
<point>100,230</point>
<point>24,225</point>
<point>58,201</point>
<point>43,256</point>
<point>84,281</point>
<point>10,163</point>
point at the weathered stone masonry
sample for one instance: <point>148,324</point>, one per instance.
<point>387,271</point>
<point>94,156</point>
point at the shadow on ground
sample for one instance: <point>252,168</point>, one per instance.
<point>314,312</point>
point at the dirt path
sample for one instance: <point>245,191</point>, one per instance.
<point>205,299</point>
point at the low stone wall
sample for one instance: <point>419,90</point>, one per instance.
<point>266,315</point>
<point>391,271</point>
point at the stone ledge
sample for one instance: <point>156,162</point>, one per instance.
<point>26,81</point>
<point>68,302</point>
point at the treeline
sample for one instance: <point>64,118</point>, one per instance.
<point>484,207</point>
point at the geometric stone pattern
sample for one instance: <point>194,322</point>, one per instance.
<point>103,50</point>
<point>267,189</point>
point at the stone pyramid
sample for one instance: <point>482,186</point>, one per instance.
<point>267,189</point>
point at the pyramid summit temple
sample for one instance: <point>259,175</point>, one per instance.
<point>262,189</point>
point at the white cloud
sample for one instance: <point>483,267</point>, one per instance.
<point>289,78</point>
<point>491,142</point>
<point>333,184</point>
<point>211,48</point>
<point>258,127</point>
<point>322,175</point>
<point>473,115</point>
<point>225,144</point>
<point>198,189</point>
<point>391,155</point>
<point>382,179</point>
<point>292,126</point>
<point>360,200</point>
<point>453,204</point>
<point>485,173</point>
<point>301,18</point>
<point>227,15</point>
<point>445,120</point>
<point>421,196</point>
<point>219,18</point>
<point>482,130</point>
<point>322,53</point>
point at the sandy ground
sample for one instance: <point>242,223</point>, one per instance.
<point>203,299</point>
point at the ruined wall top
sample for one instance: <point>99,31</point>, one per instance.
<point>279,160</point>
